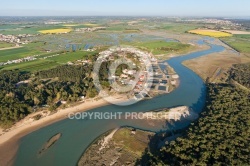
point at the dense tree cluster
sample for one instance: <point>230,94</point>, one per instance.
<point>22,92</point>
<point>219,137</point>
<point>104,72</point>
<point>66,73</point>
<point>12,107</point>
<point>241,74</point>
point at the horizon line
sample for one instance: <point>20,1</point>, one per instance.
<point>116,16</point>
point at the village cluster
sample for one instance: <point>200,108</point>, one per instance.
<point>26,59</point>
<point>14,39</point>
<point>151,80</point>
<point>220,24</point>
<point>90,29</point>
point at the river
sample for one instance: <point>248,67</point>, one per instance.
<point>77,135</point>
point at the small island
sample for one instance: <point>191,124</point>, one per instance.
<point>50,142</point>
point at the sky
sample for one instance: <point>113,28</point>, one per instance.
<point>215,8</point>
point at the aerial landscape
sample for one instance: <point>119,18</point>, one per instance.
<point>124,83</point>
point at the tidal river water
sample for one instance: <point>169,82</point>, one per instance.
<point>77,135</point>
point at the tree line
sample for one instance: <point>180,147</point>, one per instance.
<point>21,93</point>
<point>241,74</point>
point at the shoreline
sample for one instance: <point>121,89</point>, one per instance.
<point>9,141</point>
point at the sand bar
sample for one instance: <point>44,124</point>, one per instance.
<point>9,140</point>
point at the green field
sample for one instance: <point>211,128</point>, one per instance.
<point>131,31</point>
<point>31,49</point>
<point>179,27</point>
<point>10,26</point>
<point>239,42</point>
<point>91,25</point>
<point>15,29</point>
<point>6,45</point>
<point>17,53</point>
<point>116,28</point>
<point>44,64</point>
<point>26,29</point>
<point>32,65</point>
<point>70,57</point>
<point>162,47</point>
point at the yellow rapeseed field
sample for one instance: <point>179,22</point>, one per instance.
<point>91,25</point>
<point>212,33</point>
<point>70,25</point>
<point>55,31</point>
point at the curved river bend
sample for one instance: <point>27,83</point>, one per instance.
<point>77,135</point>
